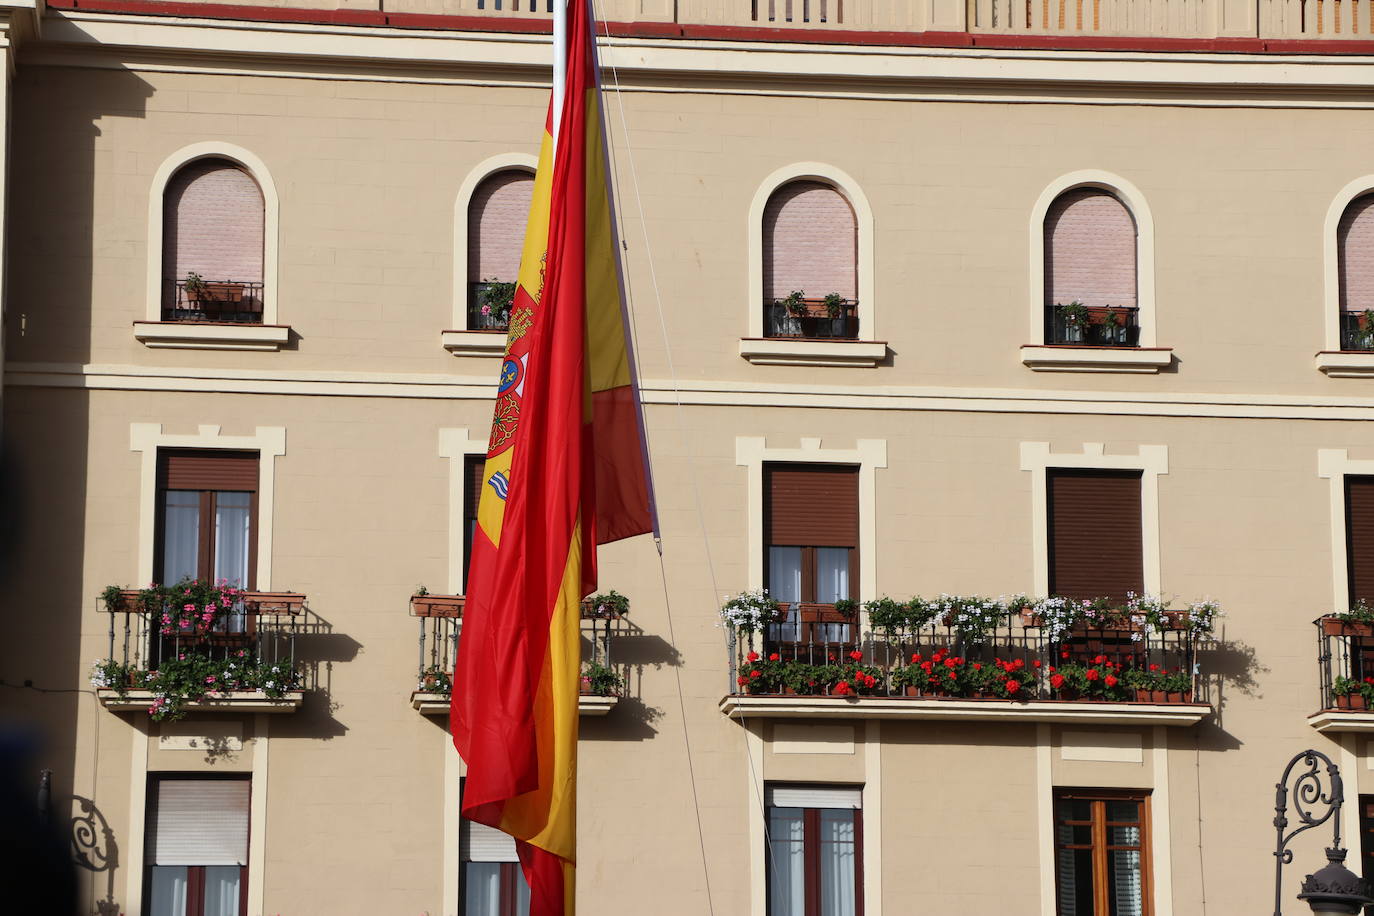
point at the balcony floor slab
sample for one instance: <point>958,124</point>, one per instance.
<point>1342,720</point>
<point>235,701</point>
<point>437,704</point>
<point>928,709</point>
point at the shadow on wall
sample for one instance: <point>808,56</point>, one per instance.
<point>1231,666</point>
<point>318,648</point>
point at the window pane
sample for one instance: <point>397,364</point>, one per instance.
<point>181,535</point>
<point>232,517</point>
<point>168,891</point>
<point>222,890</point>
<point>784,573</point>
<point>522,893</point>
<point>786,862</point>
<point>1123,836</point>
<point>832,574</point>
<point>1073,809</point>
<point>1123,880</point>
<point>837,862</point>
<point>482,888</point>
<point>1075,882</point>
<point>1118,810</point>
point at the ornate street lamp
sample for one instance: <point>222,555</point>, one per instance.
<point>1333,889</point>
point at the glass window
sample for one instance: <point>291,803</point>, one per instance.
<point>1099,852</point>
<point>814,866</point>
<point>197,846</point>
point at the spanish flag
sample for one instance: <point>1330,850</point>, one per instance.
<point>566,470</point>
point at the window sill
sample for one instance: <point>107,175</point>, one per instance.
<point>474,343</point>
<point>235,701</point>
<point>437,704</point>
<point>1081,358</point>
<point>802,351</point>
<point>1342,720</point>
<point>1346,363</point>
<point>190,335</point>
<point>1059,711</point>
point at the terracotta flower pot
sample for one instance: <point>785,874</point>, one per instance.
<point>1351,701</point>
<point>1334,626</point>
<point>1163,696</point>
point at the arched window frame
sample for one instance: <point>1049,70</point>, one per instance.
<point>256,169</point>
<point>1128,360</point>
<point>458,340</point>
<point>867,351</point>
<point>1331,359</point>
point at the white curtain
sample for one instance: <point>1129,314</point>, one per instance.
<point>168,891</point>
<point>482,888</point>
<point>222,890</point>
<point>837,862</point>
<point>232,517</point>
<point>832,584</point>
<point>181,536</point>
<point>1124,865</point>
<point>522,897</point>
<point>787,862</point>
<point>784,584</point>
<point>1068,865</point>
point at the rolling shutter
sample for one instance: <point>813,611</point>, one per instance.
<point>1359,533</point>
<point>811,505</point>
<point>815,797</point>
<point>207,469</point>
<point>212,223</point>
<point>1090,251</point>
<point>200,822</point>
<point>496,225</point>
<point>473,466</point>
<point>480,843</point>
<point>810,242</point>
<point>1095,543</point>
<point>1355,255</point>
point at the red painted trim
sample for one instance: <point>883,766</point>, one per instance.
<point>432,21</point>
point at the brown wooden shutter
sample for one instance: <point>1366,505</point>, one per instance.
<point>810,242</point>
<point>1355,255</point>
<point>207,469</point>
<point>497,215</point>
<point>473,466</point>
<point>811,505</point>
<point>1359,534</point>
<point>1094,537</point>
<point>1089,250</point>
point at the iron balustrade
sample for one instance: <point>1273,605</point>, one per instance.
<point>1345,650</point>
<point>491,319</point>
<point>813,634</point>
<point>813,321</point>
<point>1357,331</point>
<point>221,301</point>
<point>1097,330</point>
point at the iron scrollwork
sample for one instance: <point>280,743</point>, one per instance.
<point>1314,803</point>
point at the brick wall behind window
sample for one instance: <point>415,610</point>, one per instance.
<point>496,226</point>
<point>1355,246</point>
<point>810,242</point>
<point>1089,250</point>
<point>213,223</point>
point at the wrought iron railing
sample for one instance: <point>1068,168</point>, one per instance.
<point>812,319</point>
<point>228,301</point>
<point>812,648</point>
<point>1357,330</point>
<point>1095,326</point>
<point>1345,660</point>
<point>481,315</point>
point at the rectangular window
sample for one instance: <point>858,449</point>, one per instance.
<point>207,516</point>
<point>197,846</point>
<point>493,884</point>
<point>1359,534</point>
<point>1096,549</point>
<point>473,466</point>
<point>815,851</point>
<point>1101,839</point>
<point>811,532</point>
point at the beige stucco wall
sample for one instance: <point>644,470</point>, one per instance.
<point>367,172</point>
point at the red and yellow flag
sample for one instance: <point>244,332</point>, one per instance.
<point>566,470</point>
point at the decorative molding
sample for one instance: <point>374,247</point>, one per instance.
<point>1334,465</point>
<point>439,704</point>
<point>1177,715</point>
<point>456,445</point>
<point>268,441</point>
<point>1044,820</point>
<point>800,351</point>
<point>1151,460</point>
<point>271,222</point>
<point>1328,360</point>
<point>138,814</point>
<point>504,162</point>
<point>1344,363</point>
<point>188,335</point>
<point>758,823</point>
<point>752,452</point>
<point>812,739</point>
<point>1054,358</point>
<point>1134,201</point>
<point>474,343</point>
<point>1342,721</point>
<point>257,816</point>
<point>1161,833</point>
<point>873,818</point>
<point>863,221</point>
<point>1104,747</point>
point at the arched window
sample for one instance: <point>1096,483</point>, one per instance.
<point>810,263</point>
<point>1090,271</point>
<point>497,212</point>
<point>1355,266</point>
<point>213,219</point>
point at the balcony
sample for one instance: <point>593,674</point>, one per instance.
<point>1076,324</point>
<point>440,625</point>
<point>195,647</point>
<point>221,301</point>
<point>812,319</point>
<point>813,662</point>
<point>1357,331</point>
<point>1345,665</point>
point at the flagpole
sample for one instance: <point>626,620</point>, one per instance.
<point>560,62</point>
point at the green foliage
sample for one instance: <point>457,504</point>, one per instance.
<point>794,302</point>
<point>1345,686</point>
<point>847,607</point>
<point>1101,680</point>
<point>834,305</point>
<point>113,598</point>
<point>887,615</point>
<point>421,591</point>
<point>192,676</point>
<point>434,679</point>
<point>602,680</point>
<point>1075,314</point>
<point>498,298</point>
<point>195,285</point>
<point>609,604</point>
<point>1155,677</point>
<point>1361,612</point>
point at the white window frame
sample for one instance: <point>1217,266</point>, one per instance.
<point>867,352</point>
<point>1151,460</point>
<point>1330,359</point>
<point>1148,356</point>
<point>457,339</point>
<point>156,333</point>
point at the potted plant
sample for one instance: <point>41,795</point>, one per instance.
<point>1075,317</point>
<point>600,680</point>
<point>435,679</point>
<point>1349,693</point>
<point>834,310</point>
<point>605,606</point>
<point>1357,621</point>
<point>1362,335</point>
<point>748,612</point>
<point>887,615</point>
<point>120,599</point>
<point>1153,684</point>
<point>497,300</point>
<point>1095,680</point>
<point>423,604</point>
<point>1112,325</point>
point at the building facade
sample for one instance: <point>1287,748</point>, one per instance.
<point>1061,298</point>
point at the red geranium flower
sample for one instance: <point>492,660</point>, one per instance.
<point>856,655</point>
<point>1064,654</point>
<point>1036,663</point>
<point>1101,659</point>
<point>977,667</point>
<point>741,680</point>
<point>1056,681</point>
<point>752,657</point>
<point>1013,685</point>
<point>755,673</point>
<point>916,657</point>
<point>774,657</point>
<point>842,687</point>
<point>1093,674</point>
<point>1110,680</point>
